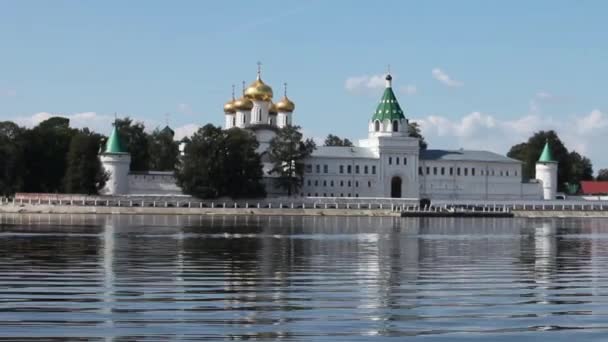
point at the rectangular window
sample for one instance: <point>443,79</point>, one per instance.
<point>404,161</point>
<point>356,168</point>
<point>349,169</point>
<point>451,171</point>
<point>341,168</point>
<point>365,169</point>
<point>341,184</point>
<point>308,168</point>
<point>443,171</point>
<point>390,160</point>
<point>428,170</point>
<point>507,173</point>
<point>472,171</point>
<point>316,183</point>
<point>369,184</point>
<point>331,184</point>
<point>324,183</point>
<point>349,184</point>
<point>420,170</point>
<point>356,184</point>
<point>309,184</point>
<point>397,161</point>
<point>318,168</point>
<point>325,168</point>
<point>373,169</point>
<point>435,171</point>
<point>457,171</point>
<point>466,171</point>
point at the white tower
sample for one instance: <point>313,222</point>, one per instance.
<point>242,108</point>
<point>116,162</point>
<point>230,112</point>
<point>546,173</point>
<point>285,108</point>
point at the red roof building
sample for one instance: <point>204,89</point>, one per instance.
<point>594,187</point>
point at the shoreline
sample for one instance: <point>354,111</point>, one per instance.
<point>96,210</point>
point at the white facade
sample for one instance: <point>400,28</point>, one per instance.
<point>116,166</point>
<point>546,173</point>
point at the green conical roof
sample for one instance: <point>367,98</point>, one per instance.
<point>388,108</point>
<point>546,156</point>
<point>113,144</point>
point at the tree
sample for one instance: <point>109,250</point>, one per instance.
<point>414,131</point>
<point>333,140</point>
<point>602,175</point>
<point>163,150</point>
<point>572,167</point>
<point>84,173</point>
<point>45,150</point>
<point>287,152</point>
<point>11,158</point>
<point>220,163</point>
<point>135,140</point>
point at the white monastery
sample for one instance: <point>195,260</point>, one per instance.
<point>388,163</point>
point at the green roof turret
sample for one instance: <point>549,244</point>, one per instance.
<point>388,108</point>
<point>546,156</point>
<point>113,144</point>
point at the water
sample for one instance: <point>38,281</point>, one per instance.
<point>315,278</point>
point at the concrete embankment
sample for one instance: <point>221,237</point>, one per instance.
<point>559,214</point>
<point>63,209</point>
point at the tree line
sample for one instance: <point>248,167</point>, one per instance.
<point>52,157</point>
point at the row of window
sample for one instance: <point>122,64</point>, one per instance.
<point>397,159</point>
<point>332,183</point>
<point>316,194</point>
<point>343,169</point>
<point>462,171</point>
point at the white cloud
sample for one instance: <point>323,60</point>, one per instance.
<point>185,131</point>
<point>408,90</point>
<point>482,131</point>
<point>444,78</point>
<point>185,108</point>
<point>365,83</point>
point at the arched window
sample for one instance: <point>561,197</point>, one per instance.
<point>395,126</point>
<point>377,126</point>
<point>233,121</point>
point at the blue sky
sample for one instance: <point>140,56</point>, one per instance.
<point>475,74</point>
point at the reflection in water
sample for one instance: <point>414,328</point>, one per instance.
<point>301,278</point>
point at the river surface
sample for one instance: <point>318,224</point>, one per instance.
<point>119,278</point>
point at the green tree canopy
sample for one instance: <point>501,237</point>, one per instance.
<point>11,158</point>
<point>84,173</point>
<point>134,138</point>
<point>219,163</point>
<point>602,175</point>
<point>287,152</point>
<point>572,167</point>
<point>333,140</point>
<point>415,132</point>
<point>163,150</point>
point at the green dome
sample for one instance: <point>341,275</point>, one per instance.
<point>388,108</point>
<point>546,156</point>
<point>113,144</point>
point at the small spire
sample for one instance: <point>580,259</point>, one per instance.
<point>233,86</point>
<point>243,87</point>
<point>259,70</point>
<point>167,119</point>
<point>285,89</point>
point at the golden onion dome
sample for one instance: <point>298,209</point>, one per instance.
<point>229,107</point>
<point>258,90</point>
<point>243,104</point>
<point>286,105</point>
<point>272,110</point>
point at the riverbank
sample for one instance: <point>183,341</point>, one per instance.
<point>220,211</point>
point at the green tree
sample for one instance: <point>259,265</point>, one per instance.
<point>415,132</point>
<point>602,175</point>
<point>220,163</point>
<point>287,152</point>
<point>84,173</point>
<point>333,140</point>
<point>135,140</point>
<point>572,167</point>
<point>163,150</point>
<point>11,158</point>
<point>45,150</point>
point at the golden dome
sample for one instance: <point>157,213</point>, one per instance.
<point>243,104</point>
<point>285,105</point>
<point>229,107</point>
<point>258,90</point>
<point>273,109</point>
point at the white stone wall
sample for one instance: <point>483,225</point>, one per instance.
<point>546,173</point>
<point>342,177</point>
<point>153,183</point>
<point>117,167</point>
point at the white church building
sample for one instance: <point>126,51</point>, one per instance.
<point>388,163</point>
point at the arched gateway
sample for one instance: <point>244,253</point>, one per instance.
<point>396,187</point>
